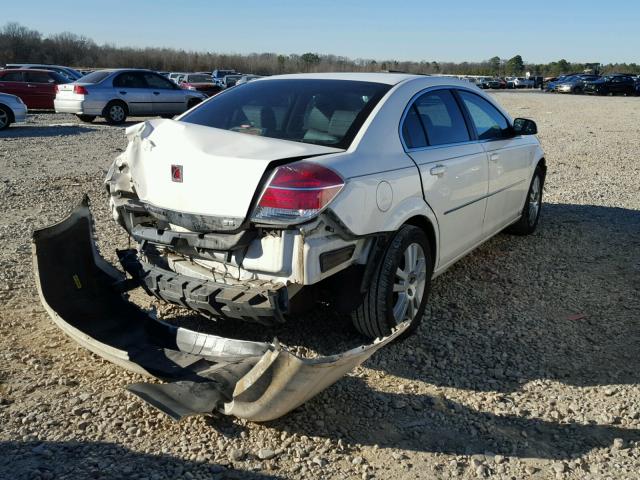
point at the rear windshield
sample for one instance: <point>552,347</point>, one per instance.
<point>94,77</point>
<point>323,112</point>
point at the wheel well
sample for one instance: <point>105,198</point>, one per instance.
<point>426,226</point>
<point>542,163</point>
<point>111,102</point>
<point>12,118</point>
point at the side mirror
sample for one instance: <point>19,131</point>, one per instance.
<point>524,126</point>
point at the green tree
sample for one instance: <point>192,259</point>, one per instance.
<point>494,65</point>
<point>310,59</point>
<point>515,65</point>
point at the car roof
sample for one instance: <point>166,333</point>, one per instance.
<point>379,77</point>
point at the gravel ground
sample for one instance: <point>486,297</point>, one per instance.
<point>526,366</point>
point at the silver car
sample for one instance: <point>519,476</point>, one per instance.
<point>12,110</point>
<point>117,94</point>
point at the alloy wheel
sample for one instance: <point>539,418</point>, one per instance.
<point>116,112</point>
<point>534,200</point>
<point>409,285</point>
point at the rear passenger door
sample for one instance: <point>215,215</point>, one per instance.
<point>453,168</point>
<point>41,88</point>
<point>509,159</point>
<point>132,88</point>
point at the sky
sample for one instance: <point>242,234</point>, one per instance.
<point>461,30</point>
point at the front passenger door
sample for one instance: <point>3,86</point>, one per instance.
<point>509,159</point>
<point>167,99</point>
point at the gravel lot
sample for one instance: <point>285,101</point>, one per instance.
<point>527,365</point>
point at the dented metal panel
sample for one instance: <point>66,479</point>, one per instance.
<point>253,380</point>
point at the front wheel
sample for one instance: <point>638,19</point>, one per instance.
<point>399,289</point>
<point>530,216</point>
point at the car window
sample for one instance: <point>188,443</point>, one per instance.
<point>441,117</point>
<point>95,77</point>
<point>12,77</point>
<point>323,112</point>
<point>156,81</point>
<point>412,131</point>
<point>38,77</point>
<point>130,80</point>
<point>488,121</point>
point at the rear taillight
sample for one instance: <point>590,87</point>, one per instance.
<point>56,89</point>
<point>297,192</point>
<point>80,90</point>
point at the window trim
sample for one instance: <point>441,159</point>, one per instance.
<point>465,114</point>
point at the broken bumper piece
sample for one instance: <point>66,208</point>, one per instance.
<point>204,373</point>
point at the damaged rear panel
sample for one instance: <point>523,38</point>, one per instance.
<point>202,373</point>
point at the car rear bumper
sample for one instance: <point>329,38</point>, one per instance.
<point>78,107</point>
<point>207,373</point>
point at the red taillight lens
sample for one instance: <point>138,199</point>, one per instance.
<point>80,90</point>
<point>297,192</point>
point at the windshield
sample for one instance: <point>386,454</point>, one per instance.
<point>323,112</point>
<point>199,78</point>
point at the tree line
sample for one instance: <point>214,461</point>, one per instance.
<point>20,44</point>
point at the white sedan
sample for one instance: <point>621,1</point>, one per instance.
<point>350,189</point>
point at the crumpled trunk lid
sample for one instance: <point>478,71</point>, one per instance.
<point>202,170</point>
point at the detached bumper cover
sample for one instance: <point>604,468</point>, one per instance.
<point>206,373</point>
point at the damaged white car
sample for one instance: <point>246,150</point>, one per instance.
<point>354,190</point>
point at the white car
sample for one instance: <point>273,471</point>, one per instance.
<point>353,189</point>
<point>12,110</point>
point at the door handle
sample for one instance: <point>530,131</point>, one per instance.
<point>156,93</point>
<point>31,86</point>
<point>122,92</point>
<point>438,170</point>
<point>494,157</point>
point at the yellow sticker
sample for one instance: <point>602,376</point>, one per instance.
<point>76,280</point>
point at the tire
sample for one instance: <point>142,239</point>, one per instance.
<point>408,252</point>
<point>530,216</point>
<point>115,113</point>
<point>86,118</point>
<point>6,117</point>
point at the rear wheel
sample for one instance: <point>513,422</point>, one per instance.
<point>5,117</point>
<point>399,289</point>
<point>115,113</point>
<point>532,206</point>
<point>86,118</point>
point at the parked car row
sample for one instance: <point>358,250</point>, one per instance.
<point>496,83</point>
<point>614,84</point>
